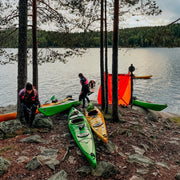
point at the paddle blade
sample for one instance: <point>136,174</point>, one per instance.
<point>69,96</point>
<point>52,98</point>
<point>90,107</point>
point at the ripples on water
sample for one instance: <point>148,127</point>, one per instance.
<point>62,79</point>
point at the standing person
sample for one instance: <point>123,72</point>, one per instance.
<point>29,100</point>
<point>84,90</point>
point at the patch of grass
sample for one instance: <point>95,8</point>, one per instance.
<point>4,149</point>
<point>176,119</point>
<point>11,135</point>
<point>107,116</point>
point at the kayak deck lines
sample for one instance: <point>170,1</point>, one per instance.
<point>82,135</point>
<point>97,123</point>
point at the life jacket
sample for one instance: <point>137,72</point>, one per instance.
<point>29,98</point>
<point>86,81</point>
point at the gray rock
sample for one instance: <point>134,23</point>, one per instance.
<point>175,139</point>
<point>134,177</point>
<point>71,160</point>
<point>174,142</point>
<point>105,170</point>
<point>48,152</point>
<point>48,156</point>
<point>84,171</point>
<point>42,121</point>
<point>33,164</point>
<point>52,164</point>
<point>162,164</point>
<point>140,110</point>
<point>66,135</point>
<point>9,127</point>
<point>62,175</point>
<point>178,161</point>
<point>4,164</point>
<point>22,159</point>
<point>140,159</point>
<point>177,177</point>
<point>142,171</point>
<point>152,117</point>
<point>145,146</point>
<point>121,154</point>
<point>2,134</point>
<point>33,139</point>
<point>109,148</point>
<point>138,150</point>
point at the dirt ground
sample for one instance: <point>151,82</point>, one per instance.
<point>155,137</point>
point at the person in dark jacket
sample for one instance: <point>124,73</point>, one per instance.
<point>84,90</point>
<point>29,101</point>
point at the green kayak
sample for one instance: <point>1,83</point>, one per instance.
<point>149,105</point>
<point>54,109</point>
<point>82,134</point>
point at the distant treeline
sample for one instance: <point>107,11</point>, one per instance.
<point>159,36</point>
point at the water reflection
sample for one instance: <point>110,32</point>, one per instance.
<point>62,79</point>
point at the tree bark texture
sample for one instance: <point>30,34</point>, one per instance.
<point>22,48</point>
<point>115,117</point>
<point>106,61</point>
<point>35,47</point>
<point>102,59</point>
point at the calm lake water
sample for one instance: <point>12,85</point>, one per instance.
<point>62,79</point>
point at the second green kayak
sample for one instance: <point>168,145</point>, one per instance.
<point>54,109</point>
<point>82,134</point>
<point>149,105</point>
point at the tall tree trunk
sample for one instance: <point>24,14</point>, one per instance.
<point>102,60</point>
<point>22,49</point>
<point>115,117</point>
<point>106,62</point>
<point>34,37</point>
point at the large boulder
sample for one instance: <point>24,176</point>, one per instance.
<point>4,164</point>
<point>105,170</point>
<point>42,121</point>
<point>9,127</point>
<point>33,164</point>
<point>48,156</point>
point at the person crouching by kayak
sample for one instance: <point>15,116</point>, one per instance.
<point>84,90</point>
<point>29,100</point>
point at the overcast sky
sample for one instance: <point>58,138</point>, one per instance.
<point>171,12</point>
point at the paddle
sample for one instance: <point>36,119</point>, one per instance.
<point>90,93</point>
<point>69,97</point>
<point>52,98</point>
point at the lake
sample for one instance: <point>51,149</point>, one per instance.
<point>62,79</point>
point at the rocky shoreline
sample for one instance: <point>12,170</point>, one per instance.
<point>143,145</point>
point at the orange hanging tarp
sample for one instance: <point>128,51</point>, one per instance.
<point>124,89</point>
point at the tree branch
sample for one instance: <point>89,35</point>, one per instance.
<point>174,22</point>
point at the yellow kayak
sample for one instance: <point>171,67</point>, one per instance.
<point>143,77</point>
<point>97,123</point>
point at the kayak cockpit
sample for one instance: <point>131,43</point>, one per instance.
<point>76,120</point>
<point>92,113</point>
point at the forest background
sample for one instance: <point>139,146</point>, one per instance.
<point>157,36</point>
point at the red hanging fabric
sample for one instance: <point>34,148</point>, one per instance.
<point>124,89</point>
